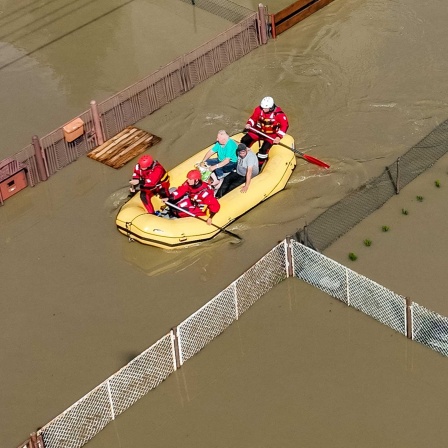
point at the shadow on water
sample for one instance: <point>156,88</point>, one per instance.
<point>154,261</point>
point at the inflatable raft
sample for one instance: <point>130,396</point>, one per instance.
<point>134,222</point>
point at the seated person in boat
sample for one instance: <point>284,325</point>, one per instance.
<point>195,197</point>
<point>247,168</point>
<point>225,162</point>
<point>152,178</point>
<point>269,119</point>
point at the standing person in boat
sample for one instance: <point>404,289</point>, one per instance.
<point>152,178</point>
<point>269,119</point>
<point>247,168</point>
<point>225,162</point>
<point>195,196</point>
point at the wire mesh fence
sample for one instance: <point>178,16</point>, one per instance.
<point>349,287</point>
<point>83,420</point>
<point>222,8</point>
<point>78,424</point>
<point>430,329</point>
<point>206,324</point>
<point>212,319</point>
<point>345,214</point>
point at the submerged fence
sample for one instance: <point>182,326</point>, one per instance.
<point>83,420</point>
<point>45,156</point>
<point>141,99</point>
<point>351,210</point>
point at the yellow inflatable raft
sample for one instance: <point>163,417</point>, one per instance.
<point>133,220</point>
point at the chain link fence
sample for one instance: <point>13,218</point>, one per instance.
<point>349,287</point>
<point>345,214</point>
<point>222,8</point>
<point>396,311</point>
<point>213,318</point>
<point>83,420</point>
<point>430,328</point>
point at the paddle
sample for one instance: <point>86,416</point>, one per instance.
<point>301,154</point>
<point>203,220</point>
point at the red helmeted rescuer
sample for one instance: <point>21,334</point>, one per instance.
<point>270,120</point>
<point>153,180</point>
<point>196,197</point>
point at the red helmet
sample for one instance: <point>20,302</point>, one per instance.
<point>194,175</point>
<point>145,162</point>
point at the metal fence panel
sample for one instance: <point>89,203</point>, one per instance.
<point>261,277</point>
<point>222,8</point>
<point>78,424</point>
<point>320,271</point>
<point>430,328</point>
<point>206,324</point>
<point>59,153</point>
<point>74,427</point>
<point>143,373</point>
<point>377,301</point>
<point>27,157</point>
<point>350,287</point>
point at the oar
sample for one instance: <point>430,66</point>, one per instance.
<point>203,220</point>
<point>301,154</point>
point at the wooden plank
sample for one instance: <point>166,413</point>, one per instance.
<point>128,148</point>
<point>123,147</point>
<point>300,16</point>
<point>291,9</point>
<point>145,140</point>
<point>107,146</point>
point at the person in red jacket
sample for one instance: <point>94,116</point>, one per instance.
<point>269,119</point>
<point>196,197</point>
<point>153,180</point>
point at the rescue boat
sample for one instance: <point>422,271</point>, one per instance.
<point>133,220</point>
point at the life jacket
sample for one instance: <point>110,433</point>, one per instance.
<point>199,193</point>
<point>152,177</point>
<point>267,121</point>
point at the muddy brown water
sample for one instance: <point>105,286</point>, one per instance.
<point>361,83</point>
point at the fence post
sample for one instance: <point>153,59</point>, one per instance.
<point>289,258</point>
<point>176,347</point>
<point>347,286</point>
<point>41,170</point>
<point>273,32</point>
<point>96,123</point>
<point>111,401</point>
<point>397,187</point>
<point>235,300</point>
<point>36,441</point>
<point>408,318</point>
<point>262,22</point>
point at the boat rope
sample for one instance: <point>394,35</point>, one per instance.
<point>128,231</point>
<point>129,224</point>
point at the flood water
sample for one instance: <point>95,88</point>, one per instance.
<point>361,83</point>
